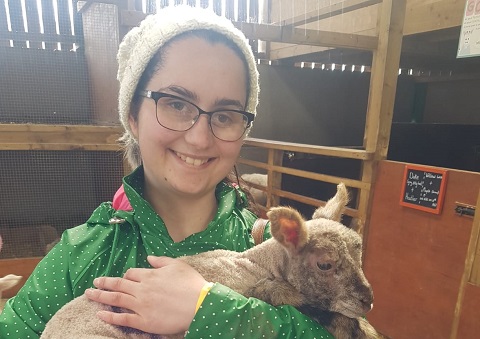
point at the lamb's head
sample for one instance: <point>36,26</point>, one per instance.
<point>324,257</point>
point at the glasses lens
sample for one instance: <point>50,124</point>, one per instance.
<point>228,125</point>
<point>176,114</point>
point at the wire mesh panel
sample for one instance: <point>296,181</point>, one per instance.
<point>43,73</point>
<point>46,192</point>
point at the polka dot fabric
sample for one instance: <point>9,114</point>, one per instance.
<point>101,247</point>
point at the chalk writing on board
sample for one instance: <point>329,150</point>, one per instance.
<point>423,188</point>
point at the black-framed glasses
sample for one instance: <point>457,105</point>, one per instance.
<point>178,114</point>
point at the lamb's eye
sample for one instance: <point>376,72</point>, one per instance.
<point>324,266</point>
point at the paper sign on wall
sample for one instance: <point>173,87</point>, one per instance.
<point>469,41</point>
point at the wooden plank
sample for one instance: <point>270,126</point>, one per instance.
<point>311,149</point>
<point>64,25</point>
<point>310,201</point>
<point>59,137</point>
<point>38,37</point>
<point>230,10</point>
<point>274,179</point>
<point>48,16</point>
<point>381,99</point>
<point>424,16</point>
<point>310,37</point>
<point>328,12</point>
<point>471,266</point>
<point>217,7</point>
<point>3,23</point>
<point>22,267</point>
<point>16,21</point>
<point>415,260</point>
<point>33,22</point>
<point>306,174</point>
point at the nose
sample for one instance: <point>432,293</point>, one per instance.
<point>200,134</point>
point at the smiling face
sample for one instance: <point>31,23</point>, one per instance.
<point>191,163</point>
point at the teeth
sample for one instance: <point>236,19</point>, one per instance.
<point>191,161</point>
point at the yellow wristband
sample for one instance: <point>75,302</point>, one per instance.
<point>203,293</point>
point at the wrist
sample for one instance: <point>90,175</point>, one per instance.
<point>203,293</point>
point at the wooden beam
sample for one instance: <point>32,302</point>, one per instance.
<point>311,149</point>
<point>306,36</point>
<point>381,98</point>
<point>328,12</point>
<point>425,16</point>
<point>59,137</point>
<point>306,174</point>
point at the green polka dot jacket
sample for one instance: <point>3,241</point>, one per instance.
<point>111,241</point>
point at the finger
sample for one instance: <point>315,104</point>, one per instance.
<point>159,262</point>
<point>138,274</point>
<point>121,319</point>
<point>110,298</point>
<point>114,284</point>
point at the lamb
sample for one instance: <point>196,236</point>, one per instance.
<point>313,265</point>
<point>259,196</point>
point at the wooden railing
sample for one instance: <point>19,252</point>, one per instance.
<point>274,168</point>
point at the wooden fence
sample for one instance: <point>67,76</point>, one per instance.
<point>44,24</point>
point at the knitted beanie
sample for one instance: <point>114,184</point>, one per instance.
<point>142,43</point>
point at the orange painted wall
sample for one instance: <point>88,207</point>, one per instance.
<point>415,260</point>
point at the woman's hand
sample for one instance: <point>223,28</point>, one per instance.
<point>162,299</point>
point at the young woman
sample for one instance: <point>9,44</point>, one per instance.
<point>188,94</point>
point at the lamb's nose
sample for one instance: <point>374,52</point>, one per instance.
<point>366,306</point>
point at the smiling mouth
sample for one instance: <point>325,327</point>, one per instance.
<point>192,161</point>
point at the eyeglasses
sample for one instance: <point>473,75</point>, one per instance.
<point>177,114</point>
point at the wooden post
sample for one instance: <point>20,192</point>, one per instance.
<point>469,268</point>
<point>381,99</point>
<point>275,158</point>
<point>102,37</point>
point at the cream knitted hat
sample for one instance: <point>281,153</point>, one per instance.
<point>141,43</point>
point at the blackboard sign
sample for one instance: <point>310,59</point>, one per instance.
<point>423,188</point>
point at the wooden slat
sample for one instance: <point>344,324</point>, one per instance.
<point>48,22</point>
<point>328,12</point>
<point>472,268</point>
<point>311,149</point>
<point>306,36</point>
<point>230,10</point>
<point>3,23</point>
<point>33,22</point>
<point>217,7</point>
<point>274,179</point>
<point>242,10</point>
<point>59,137</point>
<point>64,24</point>
<point>253,11</point>
<point>16,20</point>
<point>310,201</point>
<point>38,37</point>
<point>306,174</point>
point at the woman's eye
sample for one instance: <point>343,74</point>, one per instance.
<point>223,118</point>
<point>178,105</point>
<point>324,266</point>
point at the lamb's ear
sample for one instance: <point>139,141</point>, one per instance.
<point>334,207</point>
<point>288,227</point>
